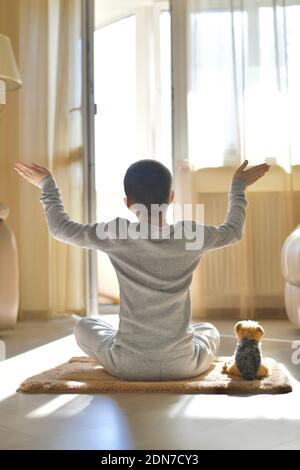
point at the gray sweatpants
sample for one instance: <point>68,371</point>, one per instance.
<point>96,338</point>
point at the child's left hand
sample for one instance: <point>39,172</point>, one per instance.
<point>250,175</point>
<point>32,173</point>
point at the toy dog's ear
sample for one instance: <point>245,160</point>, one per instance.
<point>238,326</point>
<point>260,329</point>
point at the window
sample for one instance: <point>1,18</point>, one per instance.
<point>133,97</point>
<point>132,62</point>
<point>244,98</point>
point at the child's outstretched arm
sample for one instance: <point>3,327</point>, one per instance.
<point>59,223</point>
<point>231,231</point>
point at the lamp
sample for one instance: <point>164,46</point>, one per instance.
<point>9,73</point>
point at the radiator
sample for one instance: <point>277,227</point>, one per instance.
<point>245,276</point>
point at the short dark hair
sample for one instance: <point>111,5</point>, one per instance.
<point>148,182</point>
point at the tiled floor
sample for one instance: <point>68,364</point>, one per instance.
<point>137,421</point>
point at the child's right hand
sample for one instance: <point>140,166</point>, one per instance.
<point>252,174</point>
<point>33,173</point>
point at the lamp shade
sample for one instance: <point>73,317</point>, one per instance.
<point>9,71</point>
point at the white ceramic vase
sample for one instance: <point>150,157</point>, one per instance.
<point>9,273</point>
<point>290,264</point>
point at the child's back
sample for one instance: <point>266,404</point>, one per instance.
<point>155,306</point>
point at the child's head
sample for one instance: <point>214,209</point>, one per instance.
<point>148,182</point>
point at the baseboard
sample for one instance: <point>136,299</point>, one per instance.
<point>235,314</point>
<point>34,315</point>
<point>48,315</point>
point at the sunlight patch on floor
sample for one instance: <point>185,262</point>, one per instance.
<point>52,406</point>
<point>15,370</point>
<point>232,407</point>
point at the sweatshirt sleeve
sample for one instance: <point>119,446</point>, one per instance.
<point>231,231</point>
<point>93,236</point>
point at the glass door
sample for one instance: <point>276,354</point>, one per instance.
<point>133,94</point>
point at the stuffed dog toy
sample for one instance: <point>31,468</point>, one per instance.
<point>247,356</point>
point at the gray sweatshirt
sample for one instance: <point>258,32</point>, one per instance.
<point>154,272</point>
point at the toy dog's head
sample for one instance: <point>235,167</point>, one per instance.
<point>249,329</point>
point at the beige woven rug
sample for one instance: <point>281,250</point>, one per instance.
<point>84,375</point>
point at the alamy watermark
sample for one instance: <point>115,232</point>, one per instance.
<point>296,352</point>
<point>190,229</point>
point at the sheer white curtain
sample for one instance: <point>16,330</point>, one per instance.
<point>243,82</point>
<point>65,140</point>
